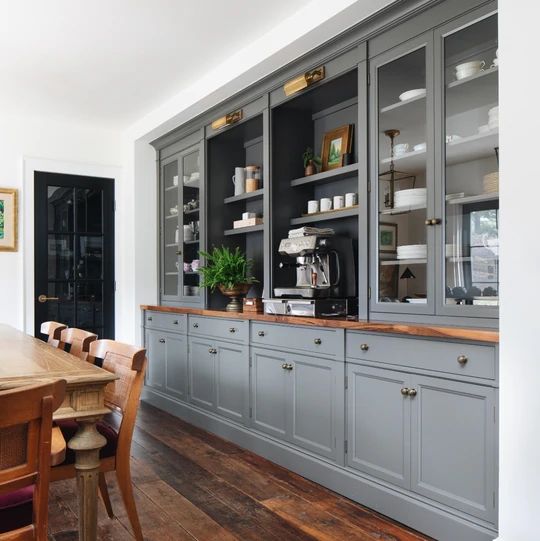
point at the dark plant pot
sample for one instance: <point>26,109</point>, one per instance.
<point>310,169</point>
<point>235,294</point>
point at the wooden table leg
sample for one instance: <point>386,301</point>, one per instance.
<point>86,443</point>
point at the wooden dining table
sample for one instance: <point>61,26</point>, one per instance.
<point>26,360</point>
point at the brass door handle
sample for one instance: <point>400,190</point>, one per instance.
<point>364,347</point>
<point>462,360</point>
<point>412,392</point>
<point>405,391</point>
<point>44,298</point>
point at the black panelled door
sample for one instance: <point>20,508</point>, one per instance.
<point>74,252</point>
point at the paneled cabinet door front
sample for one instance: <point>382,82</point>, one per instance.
<point>201,373</point>
<point>176,380</point>
<point>316,404</point>
<point>155,347</point>
<point>378,430</point>
<point>232,382</point>
<point>453,445</point>
<point>269,392</point>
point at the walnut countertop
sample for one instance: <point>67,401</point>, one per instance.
<point>411,329</point>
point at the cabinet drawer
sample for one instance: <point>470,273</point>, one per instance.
<point>465,359</point>
<point>228,329</point>
<point>327,342</point>
<point>166,321</point>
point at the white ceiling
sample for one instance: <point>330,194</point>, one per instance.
<point>111,61</point>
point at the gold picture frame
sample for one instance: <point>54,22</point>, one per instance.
<point>336,144</point>
<point>9,218</point>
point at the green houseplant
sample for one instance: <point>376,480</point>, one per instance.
<point>230,272</point>
<point>311,162</point>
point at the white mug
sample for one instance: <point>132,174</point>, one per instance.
<point>351,199</point>
<point>248,215</point>
<point>339,201</point>
<point>312,206</point>
<point>326,204</point>
<point>239,180</point>
<point>188,233</point>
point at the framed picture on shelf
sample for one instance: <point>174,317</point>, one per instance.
<point>8,220</point>
<point>387,238</point>
<point>336,144</point>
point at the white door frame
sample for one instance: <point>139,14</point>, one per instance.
<point>26,214</point>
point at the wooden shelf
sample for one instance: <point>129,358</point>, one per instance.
<point>328,176</point>
<point>402,210</point>
<point>191,241</point>
<point>480,198</point>
<point>192,211</point>
<point>387,262</point>
<point>328,215</point>
<point>250,196</point>
<point>243,230</point>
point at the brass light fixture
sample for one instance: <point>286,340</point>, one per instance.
<point>303,81</point>
<point>228,119</point>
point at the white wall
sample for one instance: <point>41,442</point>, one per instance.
<point>520,272</point>
<point>23,136</point>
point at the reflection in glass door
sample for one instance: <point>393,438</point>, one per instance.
<point>74,247</point>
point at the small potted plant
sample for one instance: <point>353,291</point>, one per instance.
<point>311,162</point>
<point>230,272</point>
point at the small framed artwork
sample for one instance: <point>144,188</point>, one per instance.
<point>336,143</point>
<point>8,220</point>
<point>387,238</point>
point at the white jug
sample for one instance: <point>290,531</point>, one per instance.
<point>239,180</point>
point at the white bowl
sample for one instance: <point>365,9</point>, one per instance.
<point>472,65</point>
<point>452,138</point>
<point>410,94</point>
<point>417,301</point>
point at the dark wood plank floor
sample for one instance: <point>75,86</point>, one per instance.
<point>191,485</point>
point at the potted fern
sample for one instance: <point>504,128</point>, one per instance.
<point>230,272</point>
<point>311,162</point>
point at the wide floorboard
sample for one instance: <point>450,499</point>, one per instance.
<point>191,485</point>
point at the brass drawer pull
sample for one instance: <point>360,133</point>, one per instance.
<point>317,341</point>
<point>232,329</point>
<point>405,391</point>
<point>364,347</point>
<point>150,318</point>
<point>213,351</point>
<point>175,322</point>
<point>261,333</point>
<point>162,340</point>
<point>412,392</point>
<point>462,360</point>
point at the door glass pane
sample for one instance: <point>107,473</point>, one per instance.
<point>190,223</point>
<point>60,257</point>
<point>61,307</point>
<point>171,228</point>
<point>60,208</point>
<point>402,193</point>
<point>89,210</point>
<point>89,305</point>
<point>472,168</point>
<point>90,257</point>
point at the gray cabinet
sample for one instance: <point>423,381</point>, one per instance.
<point>219,377</point>
<point>378,429</point>
<point>432,436</point>
<point>299,399</point>
<point>155,351</point>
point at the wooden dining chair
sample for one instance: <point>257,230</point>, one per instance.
<point>78,341</point>
<point>53,330</point>
<point>25,459</point>
<point>122,396</point>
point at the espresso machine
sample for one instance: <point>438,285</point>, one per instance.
<point>325,277</point>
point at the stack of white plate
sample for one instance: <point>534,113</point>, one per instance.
<point>412,251</point>
<point>409,198</point>
<point>493,118</point>
<point>491,182</point>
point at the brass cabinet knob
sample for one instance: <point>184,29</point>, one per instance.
<point>364,347</point>
<point>261,333</point>
<point>284,366</point>
<point>412,392</point>
<point>150,318</point>
<point>162,340</point>
<point>175,322</point>
<point>317,341</point>
<point>427,222</point>
<point>290,366</point>
<point>232,329</point>
<point>405,391</point>
<point>178,252</point>
<point>212,350</point>
<point>195,325</point>
<point>462,360</point>
<point>435,221</point>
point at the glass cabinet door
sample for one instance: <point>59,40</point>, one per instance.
<point>170,232</point>
<point>189,234</point>
<point>470,168</point>
<point>403,180</point>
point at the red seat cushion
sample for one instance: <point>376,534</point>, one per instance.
<point>16,509</point>
<point>69,427</point>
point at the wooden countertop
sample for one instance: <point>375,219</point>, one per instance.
<point>411,329</point>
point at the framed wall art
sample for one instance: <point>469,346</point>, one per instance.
<point>8,220</point>
<point>336,144</point>
<point>387,238</point>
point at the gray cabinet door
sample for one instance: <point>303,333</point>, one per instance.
<point>201,366</point>
<point>176,365</point>
<point>232,381</point>
<point>378,431</point>
<point>316,404</point>
<point>269,392</point>
<point>155,351</point>
<point>453,445</point>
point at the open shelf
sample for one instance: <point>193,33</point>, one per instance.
<point>480,198</point>
<point>402,210</point>
<point>387,262</point>
<point>327,215</point>
<point>242,230</point>
<point>251,196</point>
<point>328,176</point>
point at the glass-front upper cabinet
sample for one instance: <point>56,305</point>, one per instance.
<point>181,181</point>
<point>470,167</point>
<point>402,179</point>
